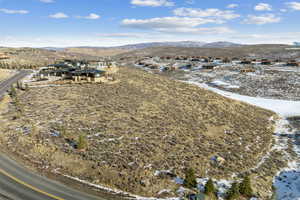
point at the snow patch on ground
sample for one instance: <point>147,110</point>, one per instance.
<point>283,107</point>
<point>116,191</point>
<point>223,84</point>
<point>287,182</point>
<point>221,185</point>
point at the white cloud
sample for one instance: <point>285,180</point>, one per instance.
<point>211,12</point>
<point>263,7</point>
<point>293,5</point>
<point>47,1</point>
<point>190,2</point>
<point>262,19</point>
<point>196,30</point>
<point>8,11</point>
<point>176,25</point>
<point>233,5</point>
<point>166,22</point>
<point>122,35</point>
<point>59,15</point>
<point>283,10</point>
<point>90,16</point>
<point>153,3</point>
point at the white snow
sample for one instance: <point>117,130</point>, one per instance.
<point>224,84</point>
<point>221,185</point>
<point>287,182</point>
<point>116,191</point>
<point>283,107</point>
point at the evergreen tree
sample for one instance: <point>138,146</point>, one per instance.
<point>209,188</point>
<point>245,187</point>
<point>190,179</point>
<point>19,85</point>
<point>13,92</point>
<point>233,192</point>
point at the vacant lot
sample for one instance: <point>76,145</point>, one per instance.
<point>134,127</point>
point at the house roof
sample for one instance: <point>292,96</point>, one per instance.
<point>87,71</point>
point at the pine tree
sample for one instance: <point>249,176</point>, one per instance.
<point>190,179</point>
<point>209,188</point>
<point>81,142</point>
<point>245,187</point>
<point>233,192</point>
<point>13,92</point>
<point>19,85</point>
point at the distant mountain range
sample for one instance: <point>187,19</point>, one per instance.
<point>221,44</point>
<point>161,44</point>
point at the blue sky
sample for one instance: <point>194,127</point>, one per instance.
<point>61,23</point>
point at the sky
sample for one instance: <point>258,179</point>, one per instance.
<point>66,23</point>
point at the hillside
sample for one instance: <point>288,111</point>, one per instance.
<point>135,127</point>
<point>186,44</point>
<point>35,57</point>
<point>96,51</point>
<point>255,51</point>
<point>113,51</point>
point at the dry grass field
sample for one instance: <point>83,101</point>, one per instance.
<point>4,74</point>
<point>97,51</point>
<point>138,125</point>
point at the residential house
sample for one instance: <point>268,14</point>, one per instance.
<point>266,62</point>
<point>246,62</point>
<point>3,56</point>
<point>293,63</point>
<point>209,66</point>
<point>88,75</point>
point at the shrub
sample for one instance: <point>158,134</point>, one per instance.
<point>233,192</point>
<point>190,179</point>
<point>13,92</point>
<point>209,188</point>
<point>245,187</point>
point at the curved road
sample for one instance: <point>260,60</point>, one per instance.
<point>18,183</point>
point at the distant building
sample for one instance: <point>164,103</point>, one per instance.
<point>293,63</point>
<point>209,66</point>
<point>266,62</point>
<point>101,65</point>
<point>246,62</point>
<point>77,70</point>
<point>247,70</point>
<point>3,56</point>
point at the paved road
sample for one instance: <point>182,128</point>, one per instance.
<point>18,183</point>
<point>5,85</point>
